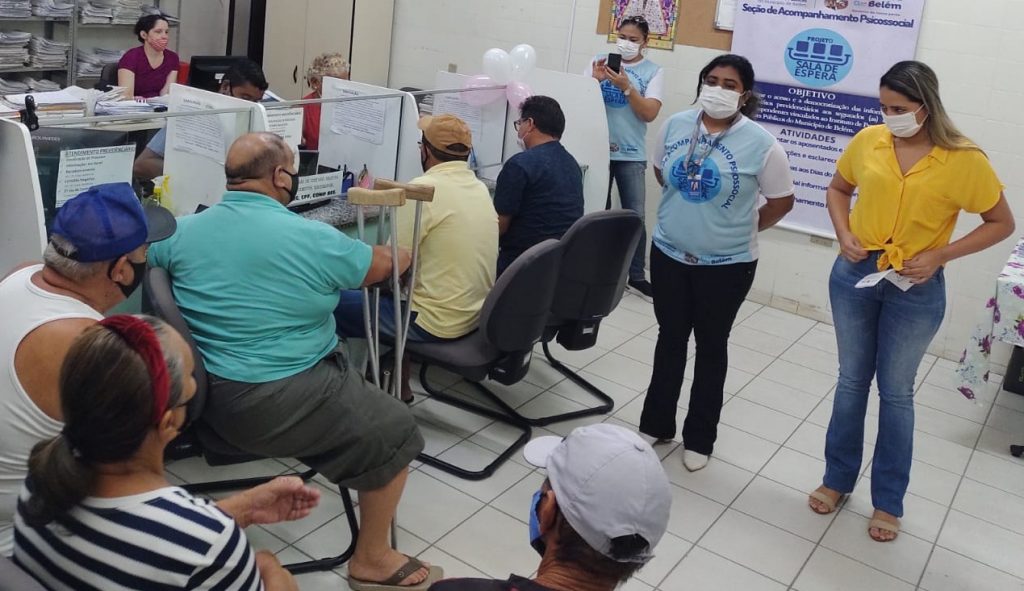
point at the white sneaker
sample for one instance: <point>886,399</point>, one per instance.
<point>694,461</point>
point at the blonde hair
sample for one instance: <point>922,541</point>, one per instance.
<point>918,82</point>
<point>327,64</point>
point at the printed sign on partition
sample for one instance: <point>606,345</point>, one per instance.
<point>818,64</point>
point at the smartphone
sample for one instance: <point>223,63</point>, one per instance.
<point>614,61</point>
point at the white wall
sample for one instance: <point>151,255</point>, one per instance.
<point>977,52</point>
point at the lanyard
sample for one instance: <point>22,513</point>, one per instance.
<point>693,169</point>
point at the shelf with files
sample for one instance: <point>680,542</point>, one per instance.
<point>46,27</point>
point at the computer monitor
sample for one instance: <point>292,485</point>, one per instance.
<point>206,71</point>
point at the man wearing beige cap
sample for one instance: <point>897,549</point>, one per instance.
<point>596,519</point>
<point>458,245</point>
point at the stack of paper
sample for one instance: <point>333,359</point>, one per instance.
<point>60,103</point>
<point>14,48</point>
<point>53,8</point>
<point>12,86</point>
<point>46,53</point>
<point>90,62</point>
<point>126,12</point>
<point>150,9</point>
<point>41,85</point>
<point>123,107</point>
<point>95,12</point>
<point>15,8</point>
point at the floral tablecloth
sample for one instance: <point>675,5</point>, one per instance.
<point>1003,321</point>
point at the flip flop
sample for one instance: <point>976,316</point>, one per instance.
<point>824,500</point>
<point>884,526</point>
<point>392,582</point>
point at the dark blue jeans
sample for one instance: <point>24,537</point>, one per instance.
<point>884,332</point>
<point>349,319</point>
<point>630,177</point>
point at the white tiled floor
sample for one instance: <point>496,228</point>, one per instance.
<point>742,523</point>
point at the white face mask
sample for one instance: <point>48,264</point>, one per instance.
<point>628,49</point>
<point>521,143</point>
<point>718,102</point>
<point>904,125</point>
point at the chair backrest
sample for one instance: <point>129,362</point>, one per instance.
<point>157,289</point>
<point>12,577</point>
<point>22,230</point>
<point>108,77</point>
<point>596,252</point>
<point>516,310</point>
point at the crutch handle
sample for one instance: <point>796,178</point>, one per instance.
<point>412,192</point>
<point>382,198</point>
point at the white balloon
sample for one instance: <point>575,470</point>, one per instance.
<point>524,59</point>
<point>497,65</point>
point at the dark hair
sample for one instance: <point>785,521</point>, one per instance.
<point>147,24</point>
<point>271,153</point>
<point>573,549</point>
<point>546,114</point>
<point>638,22</point>
<point>442,156</point>
<point>106,398</point>
<point>744,69</point>
<point>247,72</point>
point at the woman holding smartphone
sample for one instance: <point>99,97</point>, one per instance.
<point>714,164</point>
<point>632,90</point>
<point>915,174</point>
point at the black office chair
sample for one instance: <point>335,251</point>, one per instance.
<point>108,78</point>
<point>12,577</point>
<point>512,321</point>
<point>596,252</point>
<point>200,440</point>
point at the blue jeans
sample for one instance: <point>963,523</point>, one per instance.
<point>631,180</point>
<point>884,332</point>
<point>348,317</point>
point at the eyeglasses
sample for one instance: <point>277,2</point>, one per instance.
<point>518,122</point>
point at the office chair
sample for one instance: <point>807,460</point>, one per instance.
<point>200,440</point>
<point>512,321</point>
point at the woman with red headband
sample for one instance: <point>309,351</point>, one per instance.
<point>97,511</point>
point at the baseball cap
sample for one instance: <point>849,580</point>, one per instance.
<point>608,483</point>
<point>108,221</point>
<point>443,131</point>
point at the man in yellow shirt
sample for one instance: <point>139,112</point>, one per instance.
<point>458,245</point>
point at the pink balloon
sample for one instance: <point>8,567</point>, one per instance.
<point>478,98</point>
<point>517,92</point>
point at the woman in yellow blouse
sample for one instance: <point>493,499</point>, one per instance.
<point>914,175</point>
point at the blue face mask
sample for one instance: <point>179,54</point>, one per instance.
<point>536,539</point>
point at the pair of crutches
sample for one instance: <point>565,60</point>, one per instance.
<point>389,196</point>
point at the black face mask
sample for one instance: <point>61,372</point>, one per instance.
<point>293,190</point>
<point>138,270</point>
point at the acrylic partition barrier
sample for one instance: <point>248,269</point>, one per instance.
<point>22,233</point>
<point>197,144</point>
<point>487,122</point>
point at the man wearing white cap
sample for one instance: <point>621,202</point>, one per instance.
<point>598,516</point>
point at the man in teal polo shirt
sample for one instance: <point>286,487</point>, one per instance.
<point>257,285</point>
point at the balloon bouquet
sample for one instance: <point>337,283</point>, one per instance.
<point>502,67</point>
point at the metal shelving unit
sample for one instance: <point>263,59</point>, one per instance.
<point>50,25</point>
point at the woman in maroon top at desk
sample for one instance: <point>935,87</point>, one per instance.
<point>149,70</point>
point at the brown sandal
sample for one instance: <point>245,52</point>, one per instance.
<point>884,526</point>
<point>392,583</point>
<point>824,499</point>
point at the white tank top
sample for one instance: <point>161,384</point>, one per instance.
<point>25,308</point>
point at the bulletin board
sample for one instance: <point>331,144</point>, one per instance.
<point>696,26</point>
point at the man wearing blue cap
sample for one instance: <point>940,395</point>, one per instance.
<point>95,259</point>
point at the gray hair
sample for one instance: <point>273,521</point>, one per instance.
<point>173,359</point>
<point>56,256</point>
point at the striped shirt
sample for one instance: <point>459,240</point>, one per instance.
<point>162,539</point>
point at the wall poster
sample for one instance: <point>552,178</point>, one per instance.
<point>661,15</point>
<point>818,63</point>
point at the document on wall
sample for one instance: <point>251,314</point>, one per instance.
<point>452,104</point>
<point>80,169</point>
<point>725,17</point>
<point>361,119</point>
<point>287,123</point>
<point>202,135</point>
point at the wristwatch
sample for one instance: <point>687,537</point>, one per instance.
<point>628,91</point>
